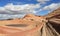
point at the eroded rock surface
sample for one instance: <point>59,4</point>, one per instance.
<point>30,25</point>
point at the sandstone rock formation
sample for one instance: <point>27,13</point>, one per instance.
<point>54,19</point>
<point>27,26</point>
<point>31,25</point>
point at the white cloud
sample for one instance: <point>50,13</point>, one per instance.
<point>52,6</point>
<point>7,16</point>
<point>43,1</point>
<point>14,9</point>
<point>18,11</point>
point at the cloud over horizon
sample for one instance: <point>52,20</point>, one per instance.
<point>52,6</point>
<point>22,9</point>
<point>10,8</point>
<point>43,1</point>
<point>19,9</point>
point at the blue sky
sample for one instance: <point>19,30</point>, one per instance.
<point>42,10</point>
<point>4,2</point>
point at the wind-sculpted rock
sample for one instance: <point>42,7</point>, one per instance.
<point>32,25</point>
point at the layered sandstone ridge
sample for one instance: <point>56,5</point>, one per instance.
<point>28,19</point>
<point>54,19</point>
<point>30,24</point>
